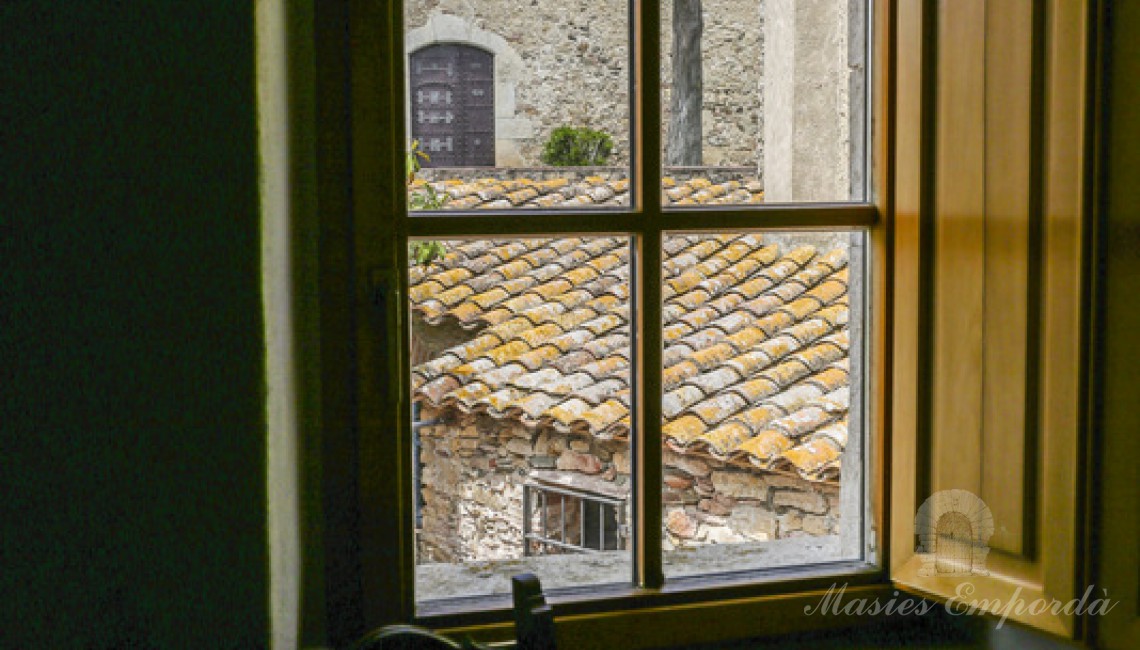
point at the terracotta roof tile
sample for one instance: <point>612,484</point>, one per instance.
<point>755,340</point>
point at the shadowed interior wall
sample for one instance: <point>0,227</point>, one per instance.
<point>132,421</point>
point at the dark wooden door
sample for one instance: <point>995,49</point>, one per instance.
<point>453,105</point>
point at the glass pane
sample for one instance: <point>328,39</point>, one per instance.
<point>763,458</point>
<point>517,107</point>
<point>763,101</point>
<point>520,379</point>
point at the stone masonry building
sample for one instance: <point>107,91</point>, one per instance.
<point>782,84</point>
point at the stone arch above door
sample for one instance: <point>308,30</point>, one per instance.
<point>510,129</point>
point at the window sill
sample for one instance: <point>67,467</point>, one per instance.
<point>489,618</point>
<point>771,601</point>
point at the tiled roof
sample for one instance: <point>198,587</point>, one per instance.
<point>494,193</point>
<point>755,343</point>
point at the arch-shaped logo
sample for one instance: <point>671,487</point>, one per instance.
<point>953,529</point>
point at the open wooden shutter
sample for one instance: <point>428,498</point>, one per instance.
<point>990,263</point>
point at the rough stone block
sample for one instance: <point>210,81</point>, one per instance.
<point>755,521</point>
<point>740,485</point>
<point>692,466</point>
<point>704,487</point>
<point>810,502</point>
<point>718,504</point>
<point>573,461</point>
<point>817,525</point>
<point>621,462</point>
<point>680,524</point>
<point>542,443</point>
<point>543,462</point>
<point>520,446</point>
<point>722,535</point>
<point>791,520</point>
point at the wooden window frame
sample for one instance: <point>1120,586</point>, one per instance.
<point>367,534</point>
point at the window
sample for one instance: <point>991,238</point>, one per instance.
<point>622,205</point>
<point>525,350</point>
<point>558,519</point>
<point>536,339</point>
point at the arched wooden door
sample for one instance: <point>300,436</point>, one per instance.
<point>453,105</point>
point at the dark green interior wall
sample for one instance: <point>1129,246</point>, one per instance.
<point>132,445</point>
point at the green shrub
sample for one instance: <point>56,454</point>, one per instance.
<point>570,146</point>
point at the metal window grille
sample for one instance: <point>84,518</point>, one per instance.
<point>560,520</point>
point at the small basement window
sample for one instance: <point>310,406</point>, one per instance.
<point>558,520</point>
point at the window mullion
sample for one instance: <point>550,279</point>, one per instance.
<point>646,167</point>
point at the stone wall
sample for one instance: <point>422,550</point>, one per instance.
<point>473,469</point>
<point>710,502</point>
<point>566,62</point>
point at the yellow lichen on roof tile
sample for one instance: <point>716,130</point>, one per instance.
<point>757,417</point>
<point>569,411</point>
<point>773,323</point>
<point>550,289</point>
<point>534,337</point>
<point>800,308</point>
<point>580,275</point>
<point>418,294</point>
<point>684,429</point>
<point>607,302</point>
<point>604,324</point>
<point>605,262</point>
<point>679,372</point>
<point>836,432</point>
<point>471,392</point>
<point>812,456</point>
<point>830,379</point>
<point>828,291</point>
<point>485,299</point>
<point>748,363</point>
<point>818,356</point>
<point>715,409</point>
<point>784,374</point>
<point>608,366</point>
<point>712,356</point>
<point>756,389</point>
<point>553,184</point>
<point>803,421</point>
<point>747,338</point>
<point>539,356</point>
<point>765,445</point>
<point>676,331</point>
<point>451,277</point>
<point>452,296</point>
<point>809,330</point>
<point>606,414</point>
<point>504,353</point>
<point>514,269</point>
<point>834,314</point>
<point>432,310</point>
<point>723,440</point>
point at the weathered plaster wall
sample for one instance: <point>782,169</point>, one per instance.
<point>573,69</point>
